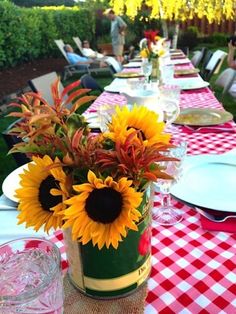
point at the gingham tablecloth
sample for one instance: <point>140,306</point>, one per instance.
<point>193,271</point>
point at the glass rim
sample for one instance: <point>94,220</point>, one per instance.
<point>29,295</point>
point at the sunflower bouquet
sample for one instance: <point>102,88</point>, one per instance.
<point>90,182</point>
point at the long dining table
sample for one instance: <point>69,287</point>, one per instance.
<point>193,269</point>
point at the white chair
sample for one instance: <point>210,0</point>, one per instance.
<point>69,69</point>
<point>42,84</point>
<point>73,68</point>
<point>115,65</point>
<point>226,80</point>
<point>79,45</point>
<point>197,58</point>
<point>217,55</point>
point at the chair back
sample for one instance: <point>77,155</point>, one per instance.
<point>115,65</point>
<point>60,44</point>
<point>197,57</point>
<point>42,84</point>
<point>218,54</point>
<point>87,81</point>
<point>79,45</point>
<point>226,79</point>
<point>206,58</point>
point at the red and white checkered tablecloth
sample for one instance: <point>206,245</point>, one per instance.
<point>193,270</point>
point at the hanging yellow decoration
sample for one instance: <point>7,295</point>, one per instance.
<point>181,10</point>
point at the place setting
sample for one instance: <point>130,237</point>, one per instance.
<point>207,185</point>
<point>204,120</point>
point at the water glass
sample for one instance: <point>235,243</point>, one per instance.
<point>146,69</point>
<point>167,214</point>
<point>169,98</point>
<point>105,113</point>
<point>167,73</point>
<point>31,279</point>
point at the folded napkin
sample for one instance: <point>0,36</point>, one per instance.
<point>178,57</point>
<point>227,226</point>
<point>185,75</point>
<point>225,127</point>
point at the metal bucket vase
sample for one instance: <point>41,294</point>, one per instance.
<point>112,273</point>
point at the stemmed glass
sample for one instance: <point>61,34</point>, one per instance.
<point>169,97</point>
<point>146,69</point>
<point>166,214</point>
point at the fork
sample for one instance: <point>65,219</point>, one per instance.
<point>210,128</point>
<point>214,218</point>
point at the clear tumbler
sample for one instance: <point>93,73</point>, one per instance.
<point>30,277</point>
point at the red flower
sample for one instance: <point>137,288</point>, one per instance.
<point>151,35</point>
<point>144,246</point>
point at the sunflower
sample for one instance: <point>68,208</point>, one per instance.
<point>141,119</point>
<point>43,190</point>
<point>102,211</point>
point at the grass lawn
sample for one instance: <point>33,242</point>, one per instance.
<point>8,163</point>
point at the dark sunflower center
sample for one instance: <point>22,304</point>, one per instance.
<point>140,132</point>
<point>104,205</point>
<point>46,199</point>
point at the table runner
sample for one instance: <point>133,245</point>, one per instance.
<point>78,303</point>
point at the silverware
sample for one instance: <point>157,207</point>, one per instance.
<point>214,218</point>
<point>210,128</point>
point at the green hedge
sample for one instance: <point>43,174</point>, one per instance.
<point>29,33</point>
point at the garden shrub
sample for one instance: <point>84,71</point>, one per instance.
<point>218,39</point>
<point>29,33</point>
<point>188,38</point>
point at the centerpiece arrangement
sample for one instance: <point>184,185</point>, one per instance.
<point>151,48</point>
<point>93,185</point>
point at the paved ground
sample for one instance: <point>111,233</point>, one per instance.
<point>14,80</point>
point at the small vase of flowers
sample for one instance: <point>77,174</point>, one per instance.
<point>93,186</point>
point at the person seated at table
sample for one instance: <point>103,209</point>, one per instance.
<point>232,63</point>
<point>83,62</point>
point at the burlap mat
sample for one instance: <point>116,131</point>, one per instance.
<point>76,302</point>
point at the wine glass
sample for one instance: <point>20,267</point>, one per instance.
<point>169,98</point>
<point>146,69</point>
<point>166,214</point>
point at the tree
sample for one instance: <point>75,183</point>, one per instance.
<point>180,10</point>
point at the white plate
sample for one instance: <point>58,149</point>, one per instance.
<point>92,119</point>
<point>190,83</point>
<point>132,65</point>
<point>113,88</point>
<point>208,181</point>
<point>12,182</point>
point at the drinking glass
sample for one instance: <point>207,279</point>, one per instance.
<point>104,115</point>
<point>31,280</point>
<point>166,214</point>
<point>167,73</point>
<point>146,69</point>
<point>169,98</point>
